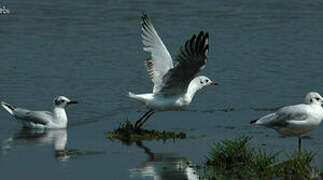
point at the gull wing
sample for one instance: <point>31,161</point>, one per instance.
<point>37,117</point>
<point>191,60</point>
<point>160,61</point>
<point>285,116</point>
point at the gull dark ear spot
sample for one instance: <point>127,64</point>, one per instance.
<point>311,100</point>
<point>201,81</point>
<point>56,102</point>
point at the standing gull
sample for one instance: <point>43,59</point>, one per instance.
<point>42,119</point>
<point>174,86</point>
<point>295,120</point>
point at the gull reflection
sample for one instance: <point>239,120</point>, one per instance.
<point>163,166</point>
<point>58,138</point>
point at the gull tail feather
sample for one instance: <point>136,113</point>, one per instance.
<point>135,96</point>
<point>140,97</point>
<point>8,107</point>
<point>132,95</point>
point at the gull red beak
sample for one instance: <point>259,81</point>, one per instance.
<point>213,83</point>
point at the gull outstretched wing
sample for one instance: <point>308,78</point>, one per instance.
<point>191,59</point>
<point>160,61</point>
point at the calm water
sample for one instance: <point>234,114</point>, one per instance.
<point>264,54</point>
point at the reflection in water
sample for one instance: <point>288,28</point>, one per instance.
<point>163,166</point>
<point>57,137</point>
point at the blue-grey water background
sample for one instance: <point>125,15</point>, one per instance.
<point>263,54</point>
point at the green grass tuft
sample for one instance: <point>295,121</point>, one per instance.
<point>238,159</point>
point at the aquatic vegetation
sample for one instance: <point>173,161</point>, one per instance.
<point>127,133</point>
<point>238,159</point>
<point>228,109</point>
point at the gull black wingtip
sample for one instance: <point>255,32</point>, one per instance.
<point>8,107</point>
<point>253,121</point>
<point>204,34</point>
<point>144,16</point>
<point>201,33</point>
<point>145,22</point>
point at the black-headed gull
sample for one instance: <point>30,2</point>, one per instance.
<point>42,119</point>
<point>174,86</point>
<point>295,120</point>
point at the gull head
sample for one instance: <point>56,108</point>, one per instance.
<point>313,98</point>
<point>204,81</point>
<point>62,101</point>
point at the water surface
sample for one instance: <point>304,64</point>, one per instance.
<point>264,54</point>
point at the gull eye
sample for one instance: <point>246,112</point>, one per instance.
<point>317,99</point>
<point>207,80</point>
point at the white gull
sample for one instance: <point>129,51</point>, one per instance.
<point>295,120</point>
<point>4,10</point>
<point>41,119</point>
<point>174,86</point>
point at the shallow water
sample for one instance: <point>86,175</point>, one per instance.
<point>264,54</point>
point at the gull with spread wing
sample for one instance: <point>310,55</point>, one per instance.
<point>41,119</point>
<point>174,86</point>
<point>295,120</point>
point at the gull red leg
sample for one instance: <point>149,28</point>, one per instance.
<point>138,122</point>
